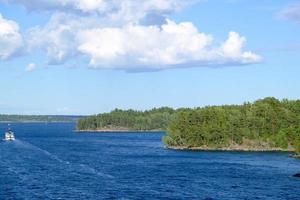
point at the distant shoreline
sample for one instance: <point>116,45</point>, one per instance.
<point>25,122</point>
<point>229,149</point>
<point>117,131</point>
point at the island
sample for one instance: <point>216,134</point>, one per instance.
<point>154,120</point>
<point>267,124</point>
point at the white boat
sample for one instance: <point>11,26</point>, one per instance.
<point>9,136</point>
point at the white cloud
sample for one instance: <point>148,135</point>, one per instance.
<point>56,38</point>
<point>144,11</point>
<point>129,35</point>
<point>30,67</point>
<point>232,50</point>
<point>67,5</point>
<point>10,38</point>
<point>153,47</point>
<point>134,46</point>
<point>116,10</point>
<point>292,12</point>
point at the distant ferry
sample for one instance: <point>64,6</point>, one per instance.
<point>9,136</point>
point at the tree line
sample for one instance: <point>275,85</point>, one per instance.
<point>155,119</point>
<point>275,122</point>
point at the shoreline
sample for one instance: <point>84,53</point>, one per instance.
<point>118,131</point>
<point>26,122</point>
<point>229,149</point>
<point>296,156</point>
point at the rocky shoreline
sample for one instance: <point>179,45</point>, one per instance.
<point>296,156</point>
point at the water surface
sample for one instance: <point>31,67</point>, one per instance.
<point>50,161</point>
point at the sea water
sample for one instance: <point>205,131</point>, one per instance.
<point>51,161</point>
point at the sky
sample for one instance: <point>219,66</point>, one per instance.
<point>82,57</point>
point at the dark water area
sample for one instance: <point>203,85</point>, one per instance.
<point>51,161</point>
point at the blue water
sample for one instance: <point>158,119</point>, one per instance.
<point>50,161</point>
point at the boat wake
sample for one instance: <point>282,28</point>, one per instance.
<point>94,171</point>
<point>82,167</point>
<point>33,147</point>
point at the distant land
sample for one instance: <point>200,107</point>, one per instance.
<point>156,119</point>
<point>38,118</point>
<point>267,124</point>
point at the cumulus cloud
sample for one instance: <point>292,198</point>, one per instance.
<point>232,48</point>
<point>135,46</point>
<point>10,38</point>
<point>57,38</point>
<point>292,12</point>
<point>84,5</point>
<point>30,67</point>
<point>114,10</point>
<point>129,35</point>
<point>160,47</point>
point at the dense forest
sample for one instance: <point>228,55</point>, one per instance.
<point>265,124</point>
<point>38,118</point>
<point>155,119</point>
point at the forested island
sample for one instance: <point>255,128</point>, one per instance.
<point>267,124</point>
<point>156,119</point>
<point>38,118</point>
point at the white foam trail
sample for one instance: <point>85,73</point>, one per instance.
<point>94,171</point>
<point>54,157</point>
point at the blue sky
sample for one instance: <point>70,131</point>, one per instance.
<point>74,57</point>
